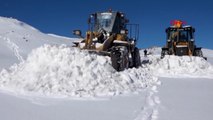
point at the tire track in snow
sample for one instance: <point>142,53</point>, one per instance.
<point>150,110</point>
<point>14,48</point>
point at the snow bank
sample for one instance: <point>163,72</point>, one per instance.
<point>63,71</point>
<point>175,66</point>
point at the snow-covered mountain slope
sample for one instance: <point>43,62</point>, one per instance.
<point>208,53</point>
<point>18,39</point>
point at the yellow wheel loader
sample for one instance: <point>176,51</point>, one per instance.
<point>110,34</point>
<point>180,41</point>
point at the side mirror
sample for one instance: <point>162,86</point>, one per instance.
<point>77,32</point>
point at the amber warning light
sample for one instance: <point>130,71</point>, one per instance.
<point>177,23</point>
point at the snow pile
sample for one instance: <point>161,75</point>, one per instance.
<point>64,71</point>
<point>176,66</point>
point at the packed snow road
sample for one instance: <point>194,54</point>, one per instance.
<point>186,99</point>
<point>35,108</point>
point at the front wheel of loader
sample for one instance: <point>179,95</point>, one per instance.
<point>136,58</point>
<point>120,58</point>
<point>198,53</point>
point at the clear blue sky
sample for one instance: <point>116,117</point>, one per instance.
<point>154,16</point>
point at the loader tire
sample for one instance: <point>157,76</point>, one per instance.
<point>136,58</point>
<point>120,58</point>
<point>198,53</point>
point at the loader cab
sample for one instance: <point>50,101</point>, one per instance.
<point>183,34</point>
<point>111,22</point>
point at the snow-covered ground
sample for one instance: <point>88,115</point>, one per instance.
<point>186,99</point>
<point>55,81</point>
